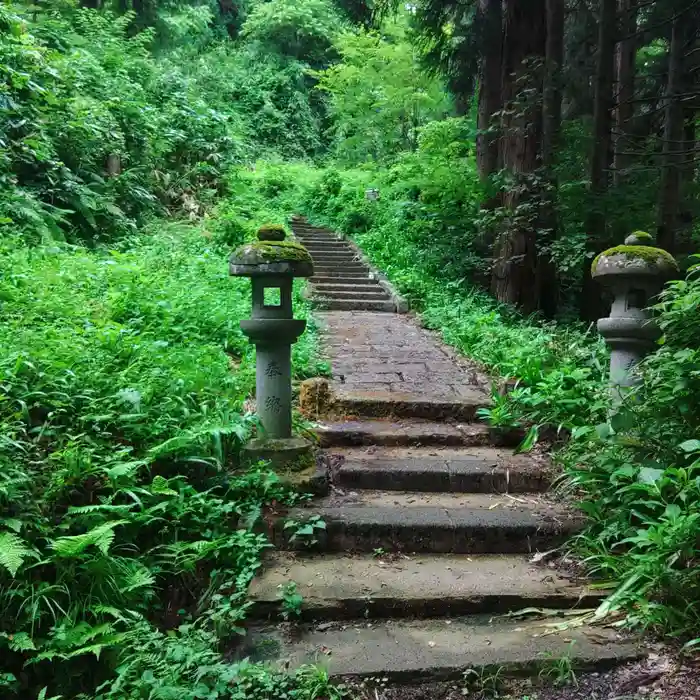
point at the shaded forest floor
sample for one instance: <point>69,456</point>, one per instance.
<point>660,676</point>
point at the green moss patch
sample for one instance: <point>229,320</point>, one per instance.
<point>275,251</point>
<point>649,254</point>
<point>272,232</point>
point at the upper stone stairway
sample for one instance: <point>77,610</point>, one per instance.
<point>342,281</point>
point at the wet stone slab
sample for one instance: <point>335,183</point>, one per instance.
<point>366,349</point>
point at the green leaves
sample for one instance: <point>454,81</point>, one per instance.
<point>690,446</point>
<point>19,642</point>
<point>100,536</point>
<point>13,552</point>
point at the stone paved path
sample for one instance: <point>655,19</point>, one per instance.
<point>389,353</point>
<point>428,526</point>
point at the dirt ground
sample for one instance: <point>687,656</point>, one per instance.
<point>661,676</point>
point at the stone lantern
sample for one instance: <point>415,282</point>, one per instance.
<point>635,273</point>
<point>272,263</point>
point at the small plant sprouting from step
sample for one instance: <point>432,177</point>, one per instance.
<point>485,682</point>
<point>502,419</point>
<point>305,532</point>
<point>501,414</point>
<point>559,669</point>
<point>379,552</point>
<point>291,601</point>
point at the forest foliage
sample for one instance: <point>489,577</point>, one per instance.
<point>141,140</point>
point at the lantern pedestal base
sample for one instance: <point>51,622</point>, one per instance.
<point>294,453</point>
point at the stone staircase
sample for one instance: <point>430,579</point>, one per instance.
<point>426,552</point>
<point>342,281</point>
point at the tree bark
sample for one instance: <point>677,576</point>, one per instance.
<point>514,278</point>
<point>489,86</point>
<point>602,122</point>
<point>625,54</point>
<point>673,148</point>
<point>591,299</point>
<point>228,11</point>
<point>547,286</point>
<point>552,90</point>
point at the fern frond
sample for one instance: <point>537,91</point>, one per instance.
<point>19,641</point>
<point>100,508</point>
<point>74,545</point>
<point>13,552</point>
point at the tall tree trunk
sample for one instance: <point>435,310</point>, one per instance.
<point>514,278</point>
<point>547,285</point>
<point>624,87</point>
<point>229,13</point>
<point>552,89</point>
<point>600,157</point>
<point>489,86</point>
<point>591,300</point>
<point>673,143</point>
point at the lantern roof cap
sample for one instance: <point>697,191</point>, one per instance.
<point>637,257</point>
<point>271,255</point>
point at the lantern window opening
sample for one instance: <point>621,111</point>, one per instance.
<point>636,299</point>
<point>272,296</point>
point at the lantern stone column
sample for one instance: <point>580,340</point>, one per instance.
<point>272,263</point>
<point>635,273</point>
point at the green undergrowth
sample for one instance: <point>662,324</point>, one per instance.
<point>635,469</point>
<point>129,529</point>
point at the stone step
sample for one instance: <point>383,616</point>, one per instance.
<point>458,404</point>
<point>346,262</point>
<point>431,469</point>
<point>359,305</point>
<point>400,434</point>
<point>317,238</point>
<point>331,244</point>
<point>343,586</point>
<point>315,230</point>
<point>360,285</point>
<point>335,261</point>
<point>328,270</point>
<point>406,651</point>
<point>333,252</point>
<point>401,521</point>
<point>363,294</point>
<point>340,277</point>
<point>330,249</point>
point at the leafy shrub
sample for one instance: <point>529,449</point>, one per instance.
<point>124,510</point>
<point>300,29</point>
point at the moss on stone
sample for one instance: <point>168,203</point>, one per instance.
<point>642,236</point>
<point>274,251</point>
<point>649,254</point>
<point>272,232</point>
<point>303,463</point>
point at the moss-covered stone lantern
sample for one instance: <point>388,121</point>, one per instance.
<point>272,263</point>
<point>635,273</point>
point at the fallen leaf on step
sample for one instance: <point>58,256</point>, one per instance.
<point>431,644</point>
<point>540,556</point>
